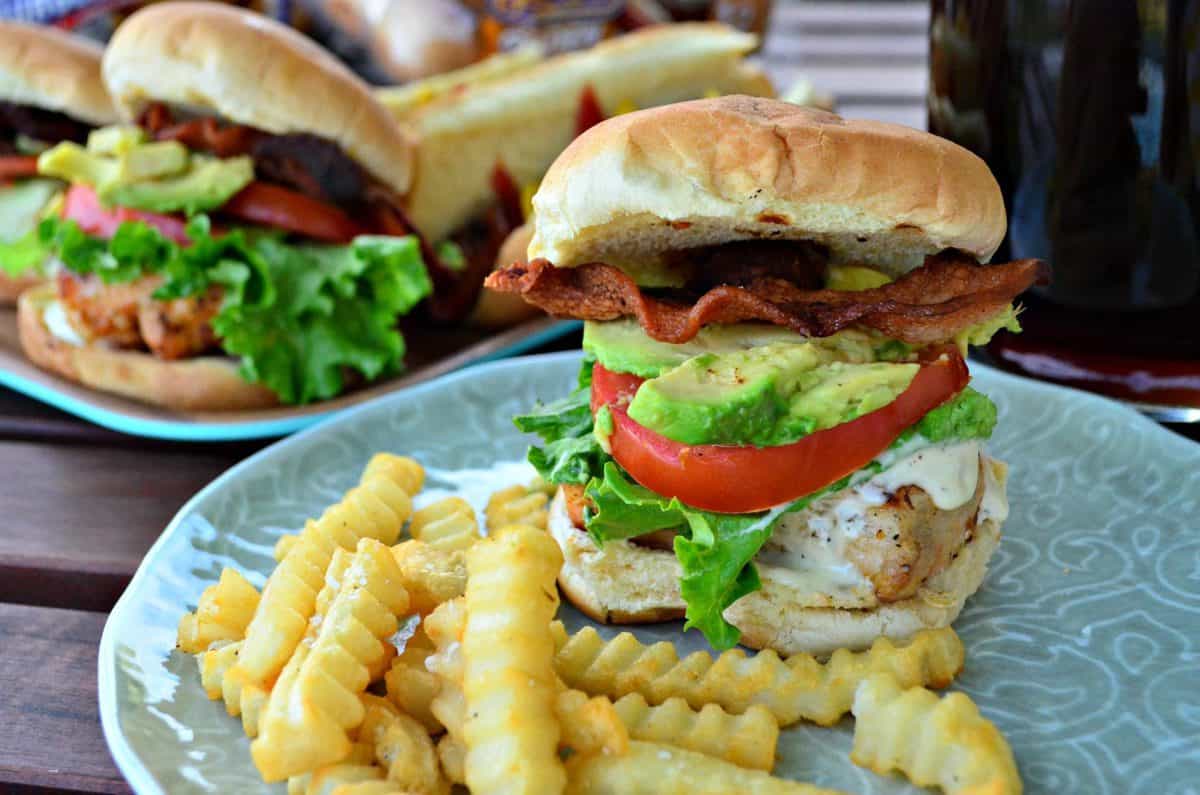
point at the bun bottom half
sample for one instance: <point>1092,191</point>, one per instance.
<point>206,383</point>
<point>625,583</point>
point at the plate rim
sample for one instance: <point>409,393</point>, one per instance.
<point>137,774</point>
<point>241,430</point>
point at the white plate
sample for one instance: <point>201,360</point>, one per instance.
<point>1083,645</point>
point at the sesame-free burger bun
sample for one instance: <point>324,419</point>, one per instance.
<point>53,70</point>
<point>623,582</point>
<point>252,70</point>
<point>206,383</point>
<point>734,168</point>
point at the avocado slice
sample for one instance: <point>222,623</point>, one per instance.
<point>765,396</point>
<point>208,184</point>
<point>622,346</point>
<point>741,397</point>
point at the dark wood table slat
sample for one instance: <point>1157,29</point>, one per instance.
<point>78,520</point>
<point>51,729</point>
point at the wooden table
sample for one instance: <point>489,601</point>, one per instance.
<point>81,505</point>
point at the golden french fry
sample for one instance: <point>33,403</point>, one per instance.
<point>403,748</point>
<point>252,702</point>
<point>590,725</point>
<point>333,778</point>
<point>941,742</point>
<point>793,689</point>
<point>431,575</point>
<point>375,509</point>
<point>448,525</point>
<point>452,754</point>
<point>283,545</point>
<point>445,627</point>
<point>656,769</point>
<point>224,611</point>
<point>412,688</point>
<point>400,469</point>
<point>746,740</point>
<point>370,788</point>
<point>517,505</point>
<point>317,697</point>
<point>511,732</point>
<point>214,663</point>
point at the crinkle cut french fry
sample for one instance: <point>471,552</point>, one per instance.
<point>445,627</point>
<point>516,505</point>
<point>942,742</point>
<point>511,731</point>
<point>412,688</point>
<point>375,509</point>
<point>361,755</point>
<point>224,611</point>
<point>403,748</point>
<point>431,575</point>
<point>452,754</point>
<point>400,469</point>
<point>318,699</point>
<point>448,525</point>
<point>793,689</point>
<point>655,769</point>
<point>370,788</point>
<point>214,663</point>
<point>590,725</point>
<point>333,778</point>
<point>283,545</point>
<point>747,740</point>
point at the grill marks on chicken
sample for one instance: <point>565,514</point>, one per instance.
<point>128,316</point>
<point>948,294</point>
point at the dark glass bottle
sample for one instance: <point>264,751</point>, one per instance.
<point>1088,112</point>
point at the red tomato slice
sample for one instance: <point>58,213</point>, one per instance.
<point>731,479</point>
<point>17,167</point>
<point>280,208</point>
<point>82,206</point>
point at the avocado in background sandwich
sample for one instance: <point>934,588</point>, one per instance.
<point>773,434</point>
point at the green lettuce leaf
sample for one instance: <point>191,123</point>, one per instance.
<point>715,550</point>
<point>23,254</point>
<point>299,316</point>
<point>571,454</point>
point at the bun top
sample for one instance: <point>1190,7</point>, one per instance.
<point>51,69</point>
<point>735,168</point>
<point>249,69</point>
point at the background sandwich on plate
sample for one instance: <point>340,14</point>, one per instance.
<point>50,91</point>
<point>773,433</point>
<point>239,241</point>
<point>486,134</point>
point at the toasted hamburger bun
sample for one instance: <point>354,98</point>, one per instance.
<point>249,69</point>
<point>735,168</point>
<point>525,118</point>
<point>207,383</point>
<point>624,582</point>
<point>51,69</point>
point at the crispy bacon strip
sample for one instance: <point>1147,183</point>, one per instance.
<point>931,304</point>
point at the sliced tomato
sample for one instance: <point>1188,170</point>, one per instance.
<point>17,167</point>
<point>82,206</point>
<point>280,208</point>
<point>732,479</point>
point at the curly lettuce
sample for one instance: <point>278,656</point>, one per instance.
<point>299,316</point>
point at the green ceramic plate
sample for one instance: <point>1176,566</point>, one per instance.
<point>1084,644</point>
